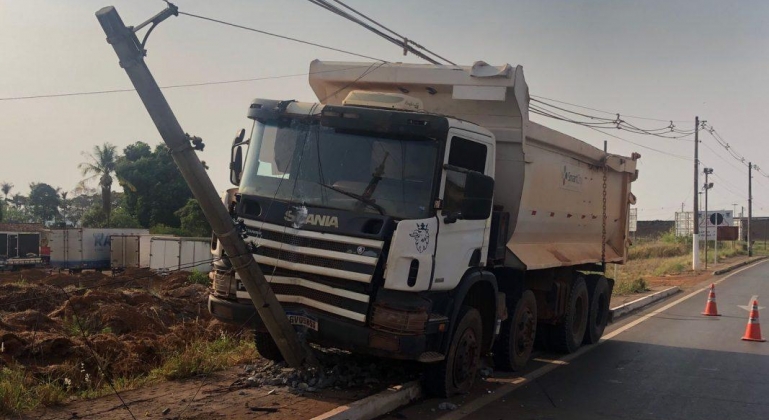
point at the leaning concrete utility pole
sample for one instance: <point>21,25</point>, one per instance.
<point>131,54</point>
<point>695,213</point>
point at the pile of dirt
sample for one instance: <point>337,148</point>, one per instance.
<point>56,324</point>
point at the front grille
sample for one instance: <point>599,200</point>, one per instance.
<point>302,241</point>
<point>352,286</point>
<point>330,253</point>
<point>317,295</point>
<point>296,257</point>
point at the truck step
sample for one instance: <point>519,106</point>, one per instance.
<point>437,318</point>
<point>430,357</point>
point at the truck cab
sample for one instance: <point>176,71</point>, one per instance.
<point>360,216</point>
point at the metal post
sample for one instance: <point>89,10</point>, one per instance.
<point>750,205</point>
<point>131,54</point>
<point>695,204</point>
<point>707,219</point>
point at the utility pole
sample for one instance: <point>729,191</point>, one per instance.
<point>706,187</point>
<point>695,205</point>
<point>750,206</point>
<point>131,54</point>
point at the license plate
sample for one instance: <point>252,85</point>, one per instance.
<point>303,320</point>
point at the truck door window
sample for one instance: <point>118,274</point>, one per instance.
<point>464,154</point>
<point>468,154</point>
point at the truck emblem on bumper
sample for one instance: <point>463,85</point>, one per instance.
<point>421,237</point>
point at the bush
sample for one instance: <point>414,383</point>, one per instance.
<point>198,277</point>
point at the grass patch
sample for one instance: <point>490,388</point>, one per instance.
<point>77,327</point>
<point>203,357</point>
<point>627,287</point>
<point>198,277</point>
<point>21,390</point>
<point>657,250</point>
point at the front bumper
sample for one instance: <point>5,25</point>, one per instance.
<point>332,331</point>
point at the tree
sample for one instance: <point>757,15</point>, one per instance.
<point>6,187</point>
<point>120,218</point>
<point>101,164</point>
<point>43,202</point>
<point>193,221</point>
<point>153,186</point>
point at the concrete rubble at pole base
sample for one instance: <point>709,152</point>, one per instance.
<point>337,370</point>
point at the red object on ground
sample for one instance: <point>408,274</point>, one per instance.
<point>710,306</point>
<point>753,330</point>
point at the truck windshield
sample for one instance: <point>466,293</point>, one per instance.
<point>307,163</point>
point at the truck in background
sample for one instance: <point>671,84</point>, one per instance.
<point>76,249</point>
<point>416,213</point>
<point>23,245</point>
<point>174,254</point>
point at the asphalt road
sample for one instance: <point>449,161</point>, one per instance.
<point>668,362</point>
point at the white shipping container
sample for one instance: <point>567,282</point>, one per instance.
<point>186,254</point>
<point>84,248</point>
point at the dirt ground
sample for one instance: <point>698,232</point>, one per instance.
<point>131,320</point>
<point>212,397</point>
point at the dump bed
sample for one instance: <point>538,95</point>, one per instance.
<point>555,187</point>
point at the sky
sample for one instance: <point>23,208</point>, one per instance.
<point>665,59</point>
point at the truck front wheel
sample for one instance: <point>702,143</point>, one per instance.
<point>516,339</point>
<point>266,346</point>
<point>456,373</point>
<point>567,336</point>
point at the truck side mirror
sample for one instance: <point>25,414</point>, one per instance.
<point>479,192</point>
<point>236,158</point>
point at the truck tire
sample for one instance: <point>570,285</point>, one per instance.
<point>567,336</point>
<point>266,347</point>
<point>457,372</point>
<point>516,338</point>
<point>598,315</point>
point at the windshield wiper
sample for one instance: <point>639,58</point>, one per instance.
<point>360,198</point>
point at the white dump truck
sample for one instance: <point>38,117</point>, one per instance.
<point>416,213</point>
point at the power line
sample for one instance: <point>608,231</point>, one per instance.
<point>176,86</point>
<point>395,38</point>
<point>288,38</point>
<point>535,111</point>
<point>606,112</point>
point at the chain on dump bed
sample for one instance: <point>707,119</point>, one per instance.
<point>603,221</point>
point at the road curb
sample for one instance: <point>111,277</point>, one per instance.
<point>736,266</point>
<point>622,310</point>
<point>377,404</point>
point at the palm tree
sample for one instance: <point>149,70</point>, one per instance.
<point>6,187</point>
<point>101,164</point>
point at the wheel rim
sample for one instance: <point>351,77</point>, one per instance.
<point>524,334</point>
<point>465,358</point>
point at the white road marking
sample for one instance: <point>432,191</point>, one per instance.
<point>487,399</point>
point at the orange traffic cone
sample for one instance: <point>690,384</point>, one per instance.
<point>710,307</point>
<point>753,330</point>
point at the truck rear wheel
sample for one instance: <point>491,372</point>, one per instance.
<point>266,347</point>
<point>457,372</point>
<point>516,338</point>
<point>567,336</point>
<point>598,315</point>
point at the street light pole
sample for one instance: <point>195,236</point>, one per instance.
<point>707,186</point>
<point>696,204</point>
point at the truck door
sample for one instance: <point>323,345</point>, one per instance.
<point>460,243</point>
